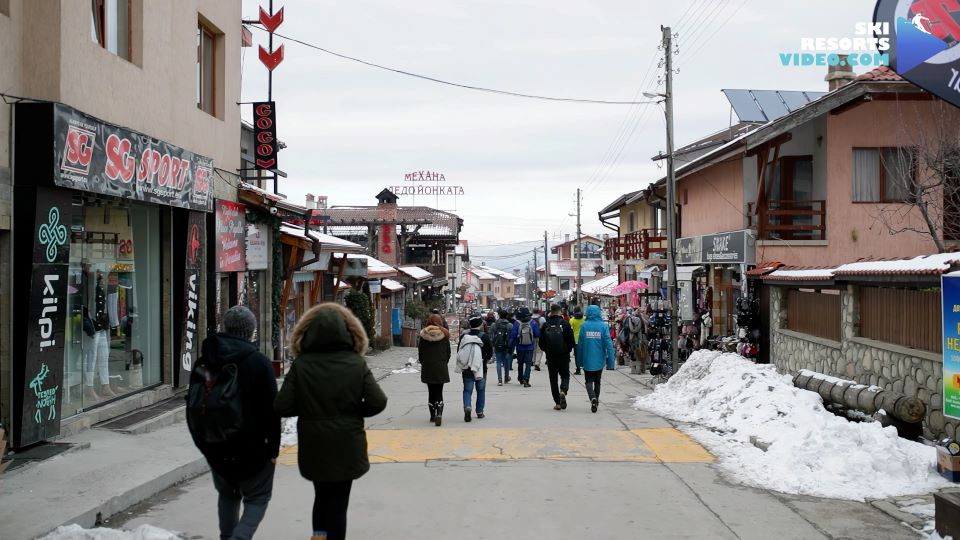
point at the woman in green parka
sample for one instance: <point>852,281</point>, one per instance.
<point>331,390</point>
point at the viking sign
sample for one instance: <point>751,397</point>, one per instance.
<point>924,37</point>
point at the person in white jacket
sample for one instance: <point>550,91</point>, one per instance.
<point>473,353</point>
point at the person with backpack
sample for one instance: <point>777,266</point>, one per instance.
<point>473,353</point>
<point>523,338</point>
<point>537,353</point>
<point>231,420</point>
<point>595,348</point>
<point>500,339</point>
<point>575,324</point>
<point>433,350</point>
<point>556,341</point>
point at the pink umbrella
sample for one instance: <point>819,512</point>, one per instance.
<point>628,286</point>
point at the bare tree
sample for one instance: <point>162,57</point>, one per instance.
<point>920,178</point>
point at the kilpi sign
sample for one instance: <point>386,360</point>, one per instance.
<point>950,286</point>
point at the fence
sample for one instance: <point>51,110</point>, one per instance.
<point>907,317</point>
<point>816,314</point>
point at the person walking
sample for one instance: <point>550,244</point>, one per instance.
<point>473,353</point>
<point>433,352</point>
<point>500,339</point>
<point>331,390</point>
<point>556,341</point>
<point>575,323</point>
<point>537,353</point>
<point>595,348</point>
<point>523,338</point>
<point>242,464</point>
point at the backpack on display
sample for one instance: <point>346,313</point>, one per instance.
<point>501,335</point>
<point>525,335</point>
<point>214,406</point>
<point>551,339</point>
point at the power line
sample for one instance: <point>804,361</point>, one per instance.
<point>717,29</point>
<point>450,83</point>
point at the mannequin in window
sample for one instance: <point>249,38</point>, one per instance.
<point>97,356</point>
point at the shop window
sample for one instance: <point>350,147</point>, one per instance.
<point>113,333</point>
<point>814,313</point>
<point>111,23</point>
<point>883,174</point>
<point>207,45</point>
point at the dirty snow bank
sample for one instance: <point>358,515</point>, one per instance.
<point>811,451</point>
<point>143,532</point>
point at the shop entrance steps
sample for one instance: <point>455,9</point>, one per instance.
<point>152,418</point>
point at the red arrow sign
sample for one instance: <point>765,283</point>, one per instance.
<point>271,22</point>
<point>271,59</point>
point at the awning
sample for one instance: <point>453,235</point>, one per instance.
<point>415,272</point>
<point>328,243</point>
<point>391,285</point>
<point>648,272</point>
<point>684,273</point>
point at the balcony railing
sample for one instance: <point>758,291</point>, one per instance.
<point>789,220</point>
<point>637,245</point>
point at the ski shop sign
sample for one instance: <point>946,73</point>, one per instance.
<point>735,247</point>
<point>93,155</point>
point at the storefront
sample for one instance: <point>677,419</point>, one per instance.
<point>115,248</point>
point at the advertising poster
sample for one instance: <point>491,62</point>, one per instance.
<point>231,223</point>
<point>189,342</point>
<point>951,344</point>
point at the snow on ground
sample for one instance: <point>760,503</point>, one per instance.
<point>288,432</point>
<point>811,451</point>
<point>143,532</point>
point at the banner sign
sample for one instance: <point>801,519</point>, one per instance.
<point>734,247</point>
<point>257,251</point>
<point>265,134</point>
<point>231,223</point>
<point>92,155</point>
<point>44,359</point>
<point>950,286</point>
<point>923,37</point>
<point>688,250</point>
<point>189,344</point>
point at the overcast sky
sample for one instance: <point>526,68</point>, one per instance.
<point>352,130</point>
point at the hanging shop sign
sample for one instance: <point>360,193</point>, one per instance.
<point>688,250</point>
<point>923,37</point>
<point>231,224</point>
<point>92,155</point>
<point>42,375</point>
<point>950,287</point>
<point>189,341</point>
<point>734,247</point>
<point>265,134</point>
<point>258,254</point>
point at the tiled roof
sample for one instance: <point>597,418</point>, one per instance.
<point>800,273</point>
<point>936,264</point>
<point>882,73</point>
<point>438,222</point>
<point>764,268</point>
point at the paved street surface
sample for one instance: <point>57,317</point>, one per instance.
<point>528,470</point>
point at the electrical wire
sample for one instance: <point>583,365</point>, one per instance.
<point>717,29</point>
<point>450,83</point>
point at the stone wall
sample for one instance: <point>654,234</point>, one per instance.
<point>892,367</point>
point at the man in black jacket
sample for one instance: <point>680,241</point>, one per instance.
<point>556,341</point>
<point>243,467</point>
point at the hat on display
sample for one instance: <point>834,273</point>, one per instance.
<point>239,322</point>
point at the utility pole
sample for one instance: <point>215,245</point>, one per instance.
<point>531,288</point>
<point>579,253</point>
<point>546,265</point>
<point>671,199</point>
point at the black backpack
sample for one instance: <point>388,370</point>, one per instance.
<point>214,405</point>
<point>551,339</point>
<point>501,335</point>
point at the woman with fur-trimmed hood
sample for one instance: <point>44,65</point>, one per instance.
<point>434,356</point>
<point>331,390</point>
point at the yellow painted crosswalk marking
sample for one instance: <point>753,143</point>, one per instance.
<point>457,444</point>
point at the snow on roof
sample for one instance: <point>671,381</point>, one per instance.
<point>935,264</point>
<point>498,272</point>
<point>415,272</point>
<point>602,285</point>
<point>375,267</point>
<point>520,281</point>
<point>800,274</point>
<point>391,285</point>
<point>327,242</point>
<point>480,274</point>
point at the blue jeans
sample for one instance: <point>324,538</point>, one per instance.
<point>524,365</point>
<point>254,492</point>
<point>469,382</point>
<point>504,363</point>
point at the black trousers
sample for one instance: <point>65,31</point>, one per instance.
<point>558,368</point>
<point>330,508</point>
<point>434,392</point>
<point>592,381</point>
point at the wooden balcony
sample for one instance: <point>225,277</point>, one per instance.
<point>637,245</point>
<point>789,220</point>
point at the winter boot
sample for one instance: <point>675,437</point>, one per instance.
<point>466,414</point>
<point>433,412</point>
<point>439,418</point>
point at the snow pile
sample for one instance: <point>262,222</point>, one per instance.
<point>288,432</point>
<point>409,367</point>
<point>143,532</point>
<point>811,451</point>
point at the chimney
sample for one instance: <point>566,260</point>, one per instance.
<point>322,202</point>
<point>311,202</point>
<point>566,238</point>
<point>841,74</point>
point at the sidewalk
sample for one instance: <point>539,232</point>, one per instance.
<point>107,472</point>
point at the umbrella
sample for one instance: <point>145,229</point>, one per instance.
<point>628,286</point>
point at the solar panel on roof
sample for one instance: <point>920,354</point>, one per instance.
<point>744,105</point>
<point>770,103</point>
<point>794,99</point>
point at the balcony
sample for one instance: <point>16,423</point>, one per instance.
<point>638,245</point>
<point>789,220</point>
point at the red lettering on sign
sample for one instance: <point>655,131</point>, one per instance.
<point>264,109</point>
<point>120,164</point>
<point>202,181</point>
<point>79,148</point>
<point>264,123</point>
<point>265,137</point>
<point>266,163</point>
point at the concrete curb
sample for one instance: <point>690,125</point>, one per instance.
<point>138,494</point>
